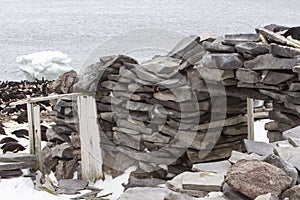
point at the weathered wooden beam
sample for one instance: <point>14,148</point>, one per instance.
<point>91,155</point>
<point>37,137</point>
<point>30,127</point>
<point>250,119</point>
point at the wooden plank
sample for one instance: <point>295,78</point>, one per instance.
<point>91,156</point>
<point>30,127</point>
<point>250,119</point>
<point>37,137</point>
<point>50,97</point>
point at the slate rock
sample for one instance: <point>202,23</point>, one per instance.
<point>185,45</point>
<point>269,62</point>
<point>219,167</point>
<point>222,61</point>
<point>247,76</point>
<point>20,157</point>
<point>11,173</point>
<point>237,156</point>
<point>217,46</point>
<point>294,132</point>
<point>275,78</point>
<point>66,169</point>
<point>252,48</point>
<point>63,151</point>
<point>289,154</point>
<point>214,74</point>
<point>292,193</point>
<point>260,148</point>
<point>139,193</point>
<point>258,178</point>
<point>232,194</point>
<point>280,163</point>
<point>202,181</point>
<point>284,51</point>
<point>294,86</point>
<point>71,186</point>
<point>143,182</point>
<point>268,196</point>
<point>294,141</point>
<point>234,39</point>
<point>176,185</point>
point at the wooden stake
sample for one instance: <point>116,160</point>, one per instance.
<point>91,155</point>
<point>37,137</point>
<point>250,119</point>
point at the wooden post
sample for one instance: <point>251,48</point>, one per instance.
<point>30,127</point>
<point>250,119</point>
<point>91,155</point>
<point>37,137</point>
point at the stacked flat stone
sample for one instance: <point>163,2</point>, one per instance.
<point>62,153</point>
<point>189,106</point>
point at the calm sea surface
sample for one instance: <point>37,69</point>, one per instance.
<point>77,27</point>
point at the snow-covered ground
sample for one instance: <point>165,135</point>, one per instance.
<point>23,188</point>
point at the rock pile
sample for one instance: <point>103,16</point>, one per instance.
<point>188,106</point>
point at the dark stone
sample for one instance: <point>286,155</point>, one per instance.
<point>294,32</point>
<point>284,51</point>
<point>132,141</point>
<point>147,182</point>
<point>294,86</point>
<point>232,194</point>
<point>276,28</point>
<point>269,62</point>
<point>274,136</point>
<point>275,78</point>
<point>66,169</point>
<point>63,151</point>
<point>2,131</point>
<point>22,117</point>
<point>234,39</point>
<point>258,178</point>
<point>49,163</point>
<point>71,186</point>
<point>217,46</point>
<point>222,61</point>
<point>247,75</point>
<point>11,173</point>
<point>252,48</point>
<point>20,157</point>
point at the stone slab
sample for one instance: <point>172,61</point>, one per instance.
<point>219,167</point>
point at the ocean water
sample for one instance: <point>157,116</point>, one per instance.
<point>78,27</point>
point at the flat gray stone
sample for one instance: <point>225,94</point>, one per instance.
<point>268,196</point>
<point>294,141</point>
<point>294,86</point>
<point>217,46</point>
<point>280,163</point>
<point>294,132</point>
<point>179,94</point>
<point>257,178</point>
<point>176,185</point>
<point>4,166</point>
<point>275,78</point>
<point>252,48</point>
<point>63,151</point>
<point>139,193</point>
<point>284,51</point>
<point>202,181</point>
<point>72,184</point>
<point>185,45</point>
<point>241,129</point>
<point>237,156</point>
<point>219,167</point>
<point>269,62</point>
<point>247,76</point>
<point>232,194</point>
<point>260,148</point>
<point>214,74</point>
<point>11,173</point>
<point>134,126</point>
<point>290,155</point>
<point>222,61</point>
<point>161,66</point>
<point>234,39</point>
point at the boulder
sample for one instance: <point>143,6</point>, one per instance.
<point>253,178</point>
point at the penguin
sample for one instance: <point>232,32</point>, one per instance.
<point>294,32</point>
<point>12,147</point>
<point>8,139</point>
<point>2,131</point>
<point>21,133</point>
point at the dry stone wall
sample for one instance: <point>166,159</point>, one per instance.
<point>189,106</point>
